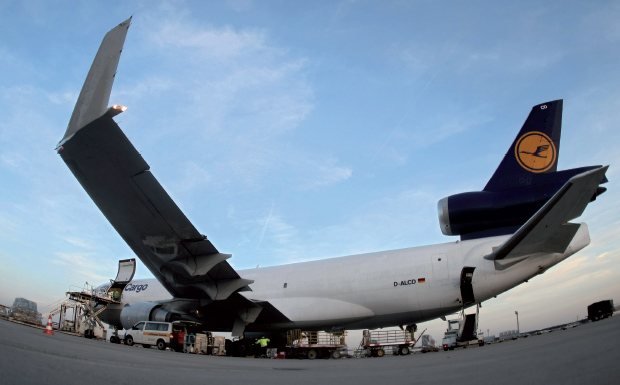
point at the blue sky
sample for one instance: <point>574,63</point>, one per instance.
<point>293,131</point>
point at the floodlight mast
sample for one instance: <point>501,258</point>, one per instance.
<point>518,330</point>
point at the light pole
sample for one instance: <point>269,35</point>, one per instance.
<point>518,331</point>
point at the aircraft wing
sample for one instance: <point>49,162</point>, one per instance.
<point>120,183</point>
<point>548,230</point>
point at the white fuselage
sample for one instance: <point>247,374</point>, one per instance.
<point>381,289</point>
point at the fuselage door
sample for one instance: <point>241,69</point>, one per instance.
<point>467,290</point>
<point>126,271</point>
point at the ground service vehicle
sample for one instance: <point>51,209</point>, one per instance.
<point>489,339</point>
<point>160,334</point>
<point>599,310</point>
<point>461,331</point>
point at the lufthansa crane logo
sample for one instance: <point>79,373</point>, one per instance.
<point>535,152</point>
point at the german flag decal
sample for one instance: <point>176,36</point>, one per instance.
<point>421,280</point>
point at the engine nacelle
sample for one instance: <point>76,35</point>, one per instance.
<point>480,212</point>
<point>145,311</point>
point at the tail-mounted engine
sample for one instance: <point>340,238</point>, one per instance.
<point>488,213</point>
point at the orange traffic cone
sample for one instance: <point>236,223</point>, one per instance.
<point>48,328</point>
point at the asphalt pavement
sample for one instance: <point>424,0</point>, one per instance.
<point>585,354</point>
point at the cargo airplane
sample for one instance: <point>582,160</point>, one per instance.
<point>517,227</point>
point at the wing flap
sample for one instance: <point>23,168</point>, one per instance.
<point>548,230</point>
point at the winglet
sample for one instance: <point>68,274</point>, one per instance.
<point>95,95</point>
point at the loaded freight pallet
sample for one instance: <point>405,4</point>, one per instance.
<point>315,344</point>
<point>376,342</point>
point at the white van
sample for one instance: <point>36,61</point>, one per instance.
<point>149,333</point>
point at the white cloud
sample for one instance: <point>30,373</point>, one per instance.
<point>80,265</point>
<point>239,98</point>
<point>320,171</point>
<point>220,43</point>
<point>63,98</point>
<point>8,226</point>
<point>194,177</point>
<point>80,242</point>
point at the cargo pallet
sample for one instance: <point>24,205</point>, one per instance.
<point>312,344</point>
<point>374,343</point>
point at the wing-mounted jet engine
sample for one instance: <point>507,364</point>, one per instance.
<point>523,182</point>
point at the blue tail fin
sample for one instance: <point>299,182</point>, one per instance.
<point>534,151</point>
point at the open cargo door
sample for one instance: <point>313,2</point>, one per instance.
<point>126,271</point>
<point>467,290</point>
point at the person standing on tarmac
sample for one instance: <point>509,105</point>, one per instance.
<point>263,342</point>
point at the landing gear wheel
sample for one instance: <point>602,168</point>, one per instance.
<point>242,349</point>
<point>146,346</point>
<point>380,353</point>
<point>311,354</point>
<point>129,341</point>
<point>161,345</point>
<point>404,350</point>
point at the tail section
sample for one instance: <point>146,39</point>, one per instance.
<point>524,181</point>
<point>535,150</point>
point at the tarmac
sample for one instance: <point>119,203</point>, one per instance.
<point>586,354</point>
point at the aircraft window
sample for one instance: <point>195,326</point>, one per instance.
<point>151,326</point>
<point>138,326</point>
<point>285,284</point>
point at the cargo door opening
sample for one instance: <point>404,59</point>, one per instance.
<point>467,290</point>
<point>126,271</point>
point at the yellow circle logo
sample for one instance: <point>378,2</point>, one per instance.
<point>535,152</point>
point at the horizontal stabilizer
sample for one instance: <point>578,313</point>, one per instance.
<point>548,230</point>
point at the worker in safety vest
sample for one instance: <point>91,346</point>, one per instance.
<point>263,342</point>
